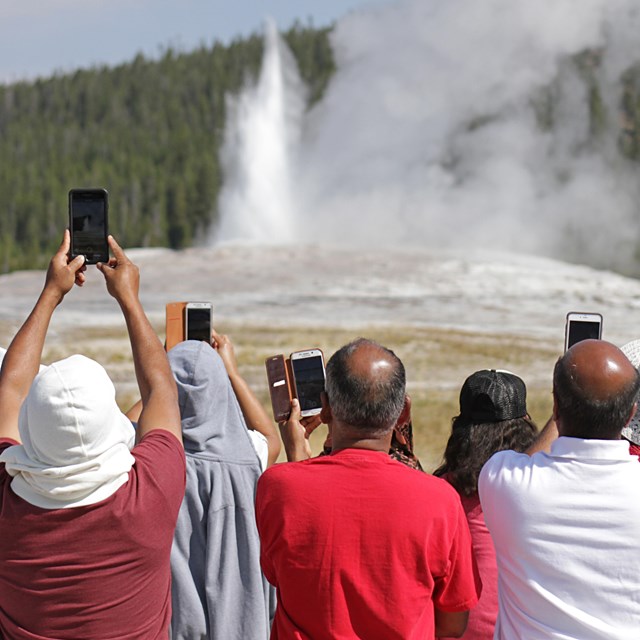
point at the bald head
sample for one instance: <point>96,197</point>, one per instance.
<point>595,388</point>
<point>366,386</point>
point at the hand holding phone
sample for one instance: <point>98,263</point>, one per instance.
<point>88,211</point>
<point>223,345</point>
<point>582,326</point>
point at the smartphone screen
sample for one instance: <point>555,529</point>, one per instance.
<point>88,224</point>
<point>198,323</point>
<point>582,327</point>
<point>309,378</point>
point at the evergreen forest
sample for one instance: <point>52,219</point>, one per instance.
<point>149,131</point>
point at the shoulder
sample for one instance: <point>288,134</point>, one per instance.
<point>508,473</point>
<point>159,449</point>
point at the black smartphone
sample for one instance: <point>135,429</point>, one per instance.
<point>197,321</point>
<point>308,377</point>
<point>88,211</point>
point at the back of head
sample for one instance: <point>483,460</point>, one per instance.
<point>594,388</point>
<point>75,440</point>
<point>366,386</point>
<point>212,422</point>
<point>70,414</point>
<point>493,417</point>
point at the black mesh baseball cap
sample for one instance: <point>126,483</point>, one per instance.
<point>493,395</point>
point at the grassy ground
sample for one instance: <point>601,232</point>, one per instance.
<point>437,362</point>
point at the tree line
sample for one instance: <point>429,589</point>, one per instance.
<point>149,131</point>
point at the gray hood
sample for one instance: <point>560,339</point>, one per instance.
<point>212,422</point>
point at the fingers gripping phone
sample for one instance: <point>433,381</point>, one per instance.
<point>88,211</point>
<point>582,326</point>
<point>308,372</point>
<point>197,321</point>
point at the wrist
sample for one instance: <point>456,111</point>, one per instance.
<point>129,303</point>
<point>51,296</point>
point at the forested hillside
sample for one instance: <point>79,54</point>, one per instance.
<point>149,131</point>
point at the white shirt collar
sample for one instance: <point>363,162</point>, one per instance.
<point>566,447</point>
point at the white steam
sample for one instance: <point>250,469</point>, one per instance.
<point>427,135</point>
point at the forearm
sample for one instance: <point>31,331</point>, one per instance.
<point>545,438</point>
<point>22,361</point>
<point>149,358</point>
<point>255,416</point>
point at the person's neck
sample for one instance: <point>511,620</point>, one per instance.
<point>348,439</point>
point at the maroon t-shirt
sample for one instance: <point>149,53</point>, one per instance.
<point>97,571</point>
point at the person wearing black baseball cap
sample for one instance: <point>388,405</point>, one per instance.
<point>493,417</point>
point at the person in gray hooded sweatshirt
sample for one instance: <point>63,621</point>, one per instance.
<point>218,589</point>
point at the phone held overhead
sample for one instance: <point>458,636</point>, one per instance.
<point>582,326</point>
<point>187,321</point>
<point>197,321</point>
<point>88,215</point>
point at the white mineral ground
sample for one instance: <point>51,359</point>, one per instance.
<point>485,296</point>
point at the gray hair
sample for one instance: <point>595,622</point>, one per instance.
<point>370,404</point>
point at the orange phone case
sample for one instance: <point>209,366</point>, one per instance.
<point>174,325</point>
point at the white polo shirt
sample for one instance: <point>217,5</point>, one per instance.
<point>566,529</point>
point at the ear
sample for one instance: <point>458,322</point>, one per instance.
<point>632,414</point>
<point>554,414</point>
<point>403,418</point>
<point>325,413</point>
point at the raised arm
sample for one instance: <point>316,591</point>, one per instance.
<point>22,360</point>
<point>254,414</point>
<point>545,438</point>
<point>158,390</point>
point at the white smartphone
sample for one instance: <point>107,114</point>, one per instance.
<point>308,379</point>
<point>197,321</point>
<point>582,326</point>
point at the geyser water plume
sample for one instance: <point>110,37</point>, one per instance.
<point>431,132</point>
<point>263,123</point>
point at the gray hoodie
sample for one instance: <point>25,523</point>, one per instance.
<point>218,589</point>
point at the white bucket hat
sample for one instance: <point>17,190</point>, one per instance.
<point>76,442</point>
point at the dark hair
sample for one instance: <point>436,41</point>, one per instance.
<point>471,445</point>
<point>373,405</point>
<point>584,416</point>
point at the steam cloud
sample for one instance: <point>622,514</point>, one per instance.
<point>427,135</point>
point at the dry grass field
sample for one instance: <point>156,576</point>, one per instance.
<point>437,362</point>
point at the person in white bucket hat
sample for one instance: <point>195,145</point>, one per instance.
<point>87,515</point>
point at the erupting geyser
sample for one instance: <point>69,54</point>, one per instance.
<point>261,137</point>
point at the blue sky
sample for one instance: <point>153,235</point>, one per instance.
<point>40,37</point>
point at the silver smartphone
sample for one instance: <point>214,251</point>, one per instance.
<point>582,326</point>
<point>308,379</point>
<point>197,321</point>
